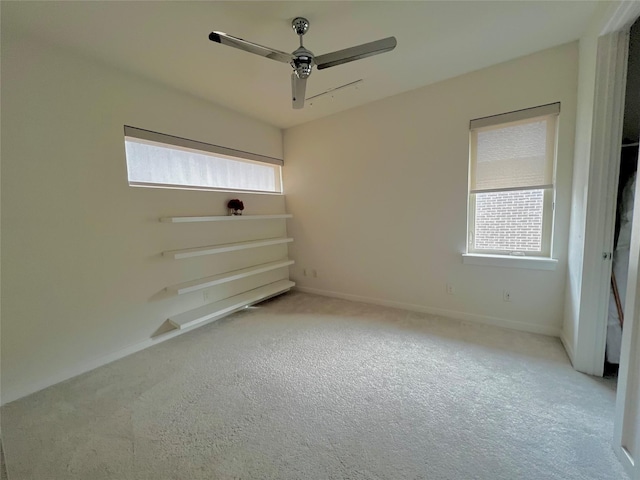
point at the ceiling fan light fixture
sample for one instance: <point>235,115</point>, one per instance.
<point>302,66</point>
<point>302,62</point>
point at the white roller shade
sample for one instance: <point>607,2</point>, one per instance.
<point>512,156</point>
<point>138,133</point>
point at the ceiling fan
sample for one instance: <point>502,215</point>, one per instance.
<point>303,60</point>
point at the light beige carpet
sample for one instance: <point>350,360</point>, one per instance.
<point>3,469</point>
<point>305,387</point>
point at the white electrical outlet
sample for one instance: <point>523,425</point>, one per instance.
<point>314,273</point>
<point>506,296</point>
<point>304,272</point>
<point>451,290</point>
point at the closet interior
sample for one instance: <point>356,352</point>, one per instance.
<point>625,205</point>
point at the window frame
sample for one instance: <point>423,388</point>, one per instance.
<point>551,114</point>
<point>149,137</point>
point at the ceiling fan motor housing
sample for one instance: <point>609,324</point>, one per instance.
<point>302,62</point>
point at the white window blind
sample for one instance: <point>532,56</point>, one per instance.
<point>165,161</point>
<point>518,153</point>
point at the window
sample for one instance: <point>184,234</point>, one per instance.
<point>511,182</point>
<point>159,160</point>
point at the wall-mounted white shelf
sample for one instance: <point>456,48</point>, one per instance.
<point>216,310</point>
<point>222,218</point>
<point>227,247</point>
<point>202,283</point>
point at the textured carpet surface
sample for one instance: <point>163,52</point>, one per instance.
<point>305,387</point>
<point>3,469</point>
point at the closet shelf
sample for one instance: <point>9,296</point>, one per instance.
<point>207,282</point>
<point>219,309</point>
<point>222,218</point>
<point>227,247</point>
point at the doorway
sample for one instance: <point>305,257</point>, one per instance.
<point>625,200</point>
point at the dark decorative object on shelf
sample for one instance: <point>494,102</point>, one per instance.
<point>235,206</point>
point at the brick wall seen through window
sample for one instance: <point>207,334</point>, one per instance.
<point>510,221</point>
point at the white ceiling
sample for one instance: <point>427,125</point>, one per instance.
<point>168,42</point>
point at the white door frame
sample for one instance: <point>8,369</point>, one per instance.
<point>626,435</point>
<point>610,31</point>
<point>611,67</point>
<point>604,168</point>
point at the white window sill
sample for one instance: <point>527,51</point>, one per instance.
<point>534,263</point>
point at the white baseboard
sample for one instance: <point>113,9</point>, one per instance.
<point>567,346</point>
<point>33,387</point>
<point>470,317</point>
<point>625,459</point>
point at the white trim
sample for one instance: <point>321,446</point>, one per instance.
<point>88,365</point>
<point>567,345</point>
<point>178,186</point>
<point>626,416</point>
<point>510,261</point>
<point>619,17</point>
<point>205,189</point>
<point>626,430</point>
<point>513,189</point>
<point>623,15</point>
<point>465,316</point>
<point>627,461</point>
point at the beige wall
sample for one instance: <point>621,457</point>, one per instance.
<point>379,196</point>
<point>81,272</point>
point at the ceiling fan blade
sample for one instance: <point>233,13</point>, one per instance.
<point>224,39</point>
<point>298,88</point>
<point>355,53</point>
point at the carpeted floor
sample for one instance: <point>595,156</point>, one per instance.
<point>306,387</point>
<point>3,469</point>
